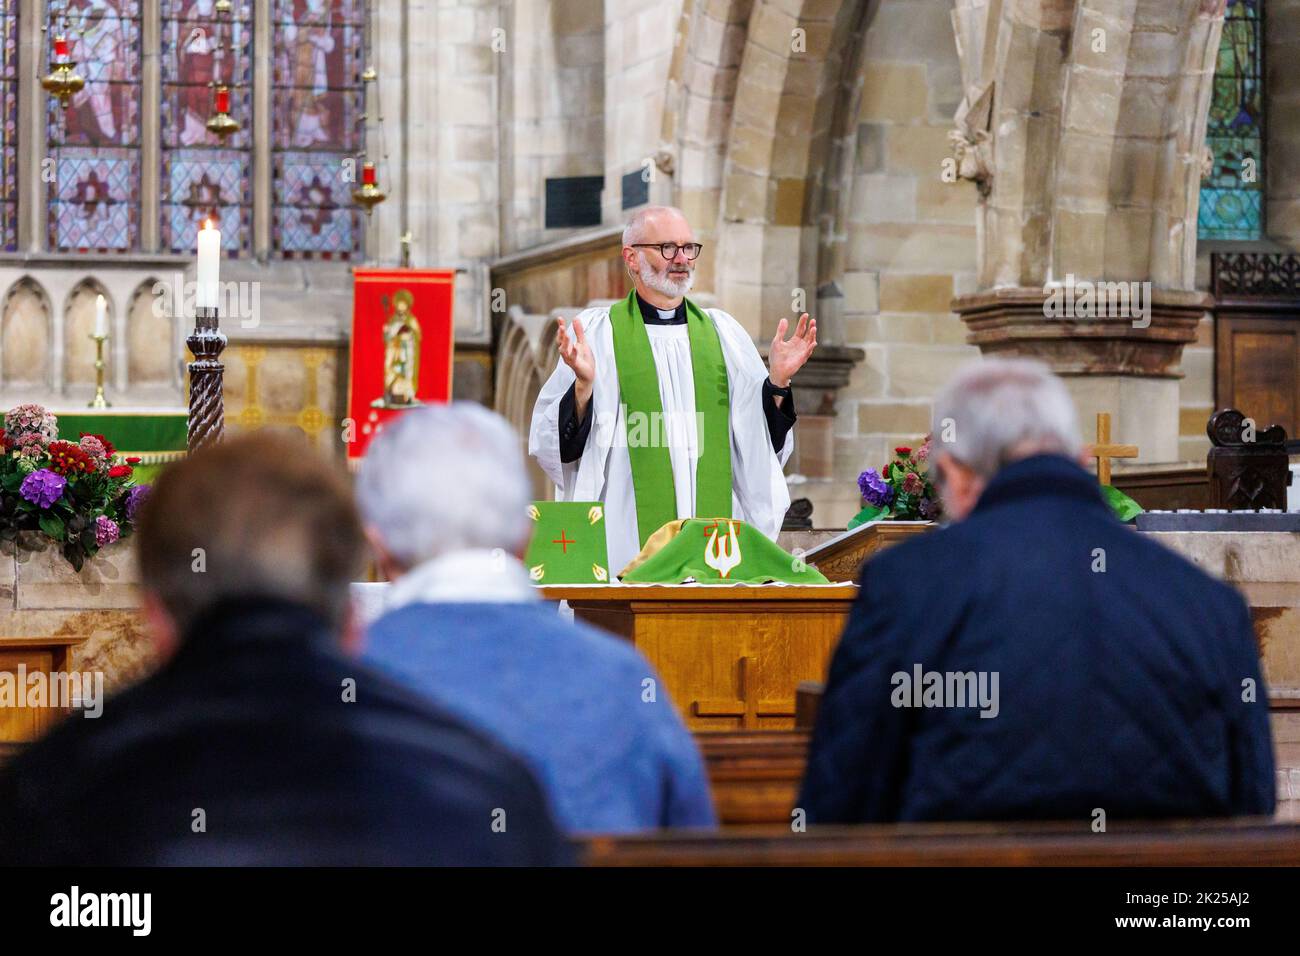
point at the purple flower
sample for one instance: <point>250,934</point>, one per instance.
<point>875,489</point>
<point>106,530</point>
<point>928,509</point>
<point>43,487</point>
<point>134,499</point>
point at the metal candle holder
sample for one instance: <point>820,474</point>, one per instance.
<point>99,401</point>
<point>207,409</point>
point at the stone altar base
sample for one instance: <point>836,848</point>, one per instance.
<point>1265,567</point>
<point>41,596</point>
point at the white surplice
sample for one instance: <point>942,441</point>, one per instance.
<point>759,495</point>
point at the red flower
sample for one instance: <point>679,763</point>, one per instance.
<point>67,459</point>
<point>902,450</point>
<point>121,471</point>
<point>108,445</point>
<point>133,461</point>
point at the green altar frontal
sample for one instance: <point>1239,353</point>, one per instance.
<point>155,437</point>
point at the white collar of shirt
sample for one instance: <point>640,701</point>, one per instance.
<point>478,576</point>
<point>667,313</point>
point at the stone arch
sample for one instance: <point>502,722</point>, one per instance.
<point>26,333</point>
<point>525,357</point>
<point>795,93</point>
<point>697,116</point>
<point>152,348</point>
<point>78,324</point>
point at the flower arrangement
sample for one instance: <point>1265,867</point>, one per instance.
<point>78,494</point>
<point>902,490</point>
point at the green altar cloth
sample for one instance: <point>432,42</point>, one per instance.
<point>155,437</point>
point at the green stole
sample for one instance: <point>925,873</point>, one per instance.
<point>638,383</point>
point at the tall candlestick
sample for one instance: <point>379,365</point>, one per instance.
<point>209,270</point>
<point>101,317</point>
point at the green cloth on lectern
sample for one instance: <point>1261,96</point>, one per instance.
<point>718,551</point>
<point>568,543</point>
<point>1124,507</point>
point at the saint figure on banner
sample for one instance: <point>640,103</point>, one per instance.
<point>402,336</point>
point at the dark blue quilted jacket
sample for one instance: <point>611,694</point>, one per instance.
<point>1118,689</point>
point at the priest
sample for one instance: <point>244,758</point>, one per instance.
<point>663,410</point>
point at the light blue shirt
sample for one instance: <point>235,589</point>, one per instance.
<point>583,708</point>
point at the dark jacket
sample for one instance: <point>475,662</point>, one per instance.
<point>1120,670</point>
<point>243,750</point>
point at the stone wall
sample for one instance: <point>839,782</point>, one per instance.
<point>40,595</point>
<point>911,244</point>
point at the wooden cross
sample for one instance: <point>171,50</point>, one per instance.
<point>747,708</point>
<point>1104,451</point>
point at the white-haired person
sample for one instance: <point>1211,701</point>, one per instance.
<point>444,494</point>
<point>1036,659</point>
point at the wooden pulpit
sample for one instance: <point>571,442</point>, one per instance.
<point>730,656</point>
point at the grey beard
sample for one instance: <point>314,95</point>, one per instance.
<point>664,285</point>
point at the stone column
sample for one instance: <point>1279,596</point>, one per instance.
<point>1123,365</point>
<point>1083,125</point>
<point>151,185</point>
<point>263,200</point>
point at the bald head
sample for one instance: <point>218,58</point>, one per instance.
<point>653,220</point>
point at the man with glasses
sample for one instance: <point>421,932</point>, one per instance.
<point>663,410</point>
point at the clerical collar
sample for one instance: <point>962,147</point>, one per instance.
<point>654,316</point>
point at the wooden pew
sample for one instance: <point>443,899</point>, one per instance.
<point>1241,842</point>
<point>755,774</point>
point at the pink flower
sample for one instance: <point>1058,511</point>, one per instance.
<point>106,530</point>
<point>912,484</point>
<point>93,447</point>
<point>30,418</point>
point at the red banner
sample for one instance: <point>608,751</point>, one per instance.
<point>401,347</point>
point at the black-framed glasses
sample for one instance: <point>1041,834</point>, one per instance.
<point>669,250</point>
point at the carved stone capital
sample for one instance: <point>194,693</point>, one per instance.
<point>1031,322</point>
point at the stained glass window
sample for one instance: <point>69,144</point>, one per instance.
<point>316,114</point>
<point>203,177</point>
<point>1232,195</point>
<point>95,141</point>
<point>8,124</point>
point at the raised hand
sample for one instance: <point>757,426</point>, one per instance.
<point>787,356</point>
<point>576,354</point>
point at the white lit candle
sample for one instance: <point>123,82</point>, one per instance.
<point>209,277</point>
<point>101,317</point>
